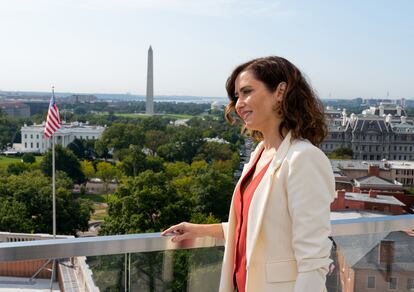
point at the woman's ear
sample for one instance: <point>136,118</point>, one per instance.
<point>280,91</point>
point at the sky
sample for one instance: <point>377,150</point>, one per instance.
<point>347,49</point>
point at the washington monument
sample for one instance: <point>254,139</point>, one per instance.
<point>149,109</point>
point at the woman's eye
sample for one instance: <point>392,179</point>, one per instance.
<point>247,91</point>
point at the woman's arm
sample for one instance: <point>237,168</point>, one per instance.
<point>186,230</point>
<point>311,189</point>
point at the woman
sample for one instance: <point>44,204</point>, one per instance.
<point>277,235</point>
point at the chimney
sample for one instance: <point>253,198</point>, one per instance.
<point>356,190</point>
<point>373,170</point>
<point>372,193</point>
<point>386,256</point>
<point>340,199</point>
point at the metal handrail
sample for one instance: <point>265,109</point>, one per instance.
<point>150,242</point>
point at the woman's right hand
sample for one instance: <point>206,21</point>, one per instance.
<point>184,230</point>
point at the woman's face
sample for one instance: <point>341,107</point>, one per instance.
<point>255,102</point>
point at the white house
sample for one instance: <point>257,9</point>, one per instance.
<point>33,139</point>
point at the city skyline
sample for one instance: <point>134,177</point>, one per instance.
<point>347,50</point>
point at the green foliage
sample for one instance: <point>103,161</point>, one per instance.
<point>145,203</point>
<point>29,158</point>
<point>121,136</point>
<point>341,153</point>
<point>211,151</point>
<point>87,169</point>
<point>8,128</point>
<point>17,168</point>
<point>83,149</point>
<point>14,216</point>
<point>29,196</point>
<point>65,161</point>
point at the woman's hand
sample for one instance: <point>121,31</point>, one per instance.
<point>186,230</point>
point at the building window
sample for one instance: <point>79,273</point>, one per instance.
<point>31,145</point>
<point>31,136</point>
<point>371,282</point>
<point>25,136</point>
<point>392,283</point>
<point>25,144</point>
<point>395,148</point>
<point>87,137</point>
<point>37,136</point>
<point>37,145</point>
<point>410,284</point>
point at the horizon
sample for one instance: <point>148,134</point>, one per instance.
<point>66,94</point>
<point>347,50</point>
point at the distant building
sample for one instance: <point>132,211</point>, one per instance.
<point>401,172</point>
<point>375,262</point>
<point>33,139</point>
<point>15,109</point>
<point>371,201</point>
<point>383,132</point>
<point>79,98</point>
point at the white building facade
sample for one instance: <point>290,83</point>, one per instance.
<point>34,141</point>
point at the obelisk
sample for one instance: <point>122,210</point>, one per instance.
<point>149,109</point>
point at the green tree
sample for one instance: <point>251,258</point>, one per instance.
<point>341,153</point>
<point>65,161</point>
<point>8,129</point>
<point>145,203</point>
<point>33,193</point>
<point>210,151</point>
<point>107,172</point>
<point>17,168</point>
<point>14,216</point>
<point>101,149</point>
<point>120,136</point>
<point>87,168</point>
<point>28,158</point>
<point>154,139</point>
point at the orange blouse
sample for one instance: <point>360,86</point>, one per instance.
<point>241,205</point>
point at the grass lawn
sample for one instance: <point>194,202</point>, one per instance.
<point>6,160</point>
<point>99,204</point>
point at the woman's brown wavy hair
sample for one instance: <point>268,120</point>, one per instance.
<point>302,110</point>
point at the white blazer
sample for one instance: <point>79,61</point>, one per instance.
<point>287,244</point>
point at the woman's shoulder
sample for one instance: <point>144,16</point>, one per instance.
<point>303,147</point>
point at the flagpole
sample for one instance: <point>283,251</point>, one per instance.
<point>53,179</point>
<point>54,186</point>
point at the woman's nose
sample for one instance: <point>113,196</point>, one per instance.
<point>239,105</point>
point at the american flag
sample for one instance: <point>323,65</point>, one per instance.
<point>53,122</point>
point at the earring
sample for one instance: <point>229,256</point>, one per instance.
<point>277,108</point>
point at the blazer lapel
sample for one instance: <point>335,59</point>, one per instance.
<point>261,194</point>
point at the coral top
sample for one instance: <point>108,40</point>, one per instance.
<point>241,205</point>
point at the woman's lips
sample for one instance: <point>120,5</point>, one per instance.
<point>245,115</point>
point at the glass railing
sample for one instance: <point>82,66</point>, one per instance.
<point>369,254</point>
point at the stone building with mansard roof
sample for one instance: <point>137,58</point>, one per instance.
<point>383,132</point>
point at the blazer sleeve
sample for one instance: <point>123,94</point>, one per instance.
<point>310,191</point>
<point>225,226</point>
